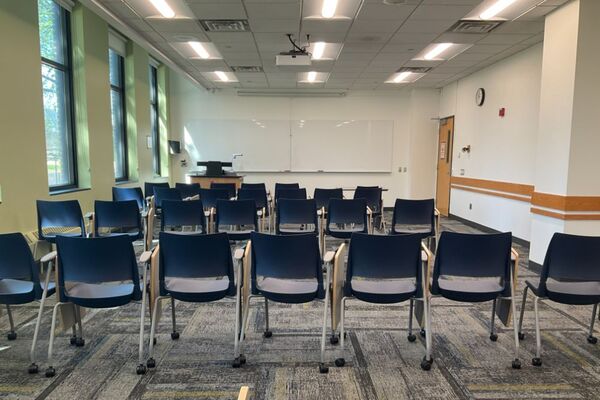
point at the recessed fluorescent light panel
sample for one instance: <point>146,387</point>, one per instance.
<point>330,9</point>
<point>197,50</point>
<point>221,76</point>
<point>441,51</point>
<point>404,77</point>
<point>164,8</point>
<point>502,10</point>
<point>161,9</point>
<point>313,77</point>
<point>324,51</point>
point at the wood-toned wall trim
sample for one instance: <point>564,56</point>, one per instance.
<point>566,203</point>
<point>507,187</point>
<point>566,217</point>
<point>497,194</point>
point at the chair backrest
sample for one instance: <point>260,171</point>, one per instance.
<point>210,197</point>
<point>258,195</point>
<point>298,194</point>
<point>131,193</point>
<point>97,260</point>
<point>161,194</point>
<point>286,257</point>
<point>195,256</point>
<point>261,186</point>
<point>372,194</point>
<point>188,189</point>
<point>149,187</point>
<point>297,212</point>
<point>177,213</point>
<point>56,217</point>
<point>414,216</point>
<point>122,215</point>
<point>236,213</point>
<point>280,186</point>
<point>322,196</point>
<point>572,258</point>
<point>350,211</point>
<point>230,187</point>
<point>473,255</point>
<point>16,261</point>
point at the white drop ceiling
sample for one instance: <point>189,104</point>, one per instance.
<point>377,41</point>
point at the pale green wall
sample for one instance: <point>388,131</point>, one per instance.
<point>23,175</point>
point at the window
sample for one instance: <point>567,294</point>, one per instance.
<point>117,111</point>
<point>57,92</point>
<point>154,125</point>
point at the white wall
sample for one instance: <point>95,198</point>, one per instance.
<point>414,132</point>
<point>502,149</point>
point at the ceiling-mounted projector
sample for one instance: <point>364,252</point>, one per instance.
<point>297,57</point>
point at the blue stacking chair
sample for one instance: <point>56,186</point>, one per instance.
<point>345,218</point>
<point>416,217</point>
<point>237,218</point>
<point>322,197</point>
<point>476,268</point>
<point>98,273</point>
<point>149,187</point>
<point>279,186</point>
<point>20,283</point>
<point>286,269</point>
<point>296,216</point>
<point>161,194</point>
<point>230,187</point>
<point>59,218</point>
<point>373,196</point>
<point>118,218</point>
<point>386,270</point>
<point>132,193</point>
<point>298,194</point>
<point>259,195</point>
<point>195,269</point>
<point>210,197</point>
<point>570,275</point>
<point>181,214</point>
<point>188,190</point>
<point>259,186</point>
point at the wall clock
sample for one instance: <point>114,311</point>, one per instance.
<point>480,97</point>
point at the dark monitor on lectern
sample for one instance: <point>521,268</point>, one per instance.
<point>214,168</point>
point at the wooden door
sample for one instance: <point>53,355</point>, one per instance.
<point>444,166</point>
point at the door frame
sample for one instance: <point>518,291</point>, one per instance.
<point>449,152</point>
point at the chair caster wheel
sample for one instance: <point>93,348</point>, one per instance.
<point>73,340</point>
<point>323,368</point>
<point>334,339</point>
<point>50,372</point>
<point>80,342</point>
<point>340,362</point>
<point>154,341</point>
<point>141,369</point>
<point>536,362</point>
<point>590,339</point>
<point>516,364</point>
<point>521,336</point>
<point>174,335</point>
<point>11,336</point>
<point>267,334</point>
<point>493,337</point>
<point>33,368</point>
<point>411,338</point>
<point>242,359</point>
<point>151,363</point>
<point>422,332</point>
<point>236,363</point>
<point>426,364</point>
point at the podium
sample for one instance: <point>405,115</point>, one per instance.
<point>214,173</point>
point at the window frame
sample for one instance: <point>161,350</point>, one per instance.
<point>155,123</point>
<point>67,69</point>
<point>122,94</point>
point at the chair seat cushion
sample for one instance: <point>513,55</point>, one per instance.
<point>196,285</point>
<point>310,229</point>
<point>568,292</point>
<point>412,228</point>
<point>470,289</point>
<point>15,287</point>
<point>98,291</point>
<point>383,286</point>
<point>287,286</point>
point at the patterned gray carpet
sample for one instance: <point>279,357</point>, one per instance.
<point>381,362</point>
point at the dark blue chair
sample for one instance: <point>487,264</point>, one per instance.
<point>386,270</point>
<point>188,189</point>
<point>196,269</point>
<point>373,196</point>
<point>20,283</point>
<point>59,218</point>
<point>286,269</point>
<point>259,196</point>
<point>346,217</point>
<point>230,187</point>
<point>132,193</point>
<point>161,194</point>
<point>297,194</point>
<point>476,268</point>
<point>570,275</point>
<point>259,186</point>
<point>284,186</point>
<point>296,217</point>
<point>322,197</point>
<point>149,187</point>
<point>237,218</point>
<point>97,273</point>
<point>118,218</point>
<point>210,197</point>
<point>414,217</point>
<point>181,214</point>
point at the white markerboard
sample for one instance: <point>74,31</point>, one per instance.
<point>342,146</point>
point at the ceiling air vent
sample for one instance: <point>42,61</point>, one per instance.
<point>225,25</point>
<point>247,68</point>
<point>474,26</point>
<point>416,70</point>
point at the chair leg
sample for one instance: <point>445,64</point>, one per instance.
<point>427,360</point>
<point>79,341</point>
<point>411,337</point>
<point>50,371</point>
<point>238,320</point>
<point>493,335</point>
<point>240,359</point>
<point>141,368</point>
<point>591,338</point>
<point>33,367</point>
<point>174,334</point>
<point>516,363</point>
<point>521,334</point>
<point>537,360</point>
<point>340,362</point>
<point>151,363</point>
<point>12,335</point>
<point>322,367</point>
<point>267,333</point>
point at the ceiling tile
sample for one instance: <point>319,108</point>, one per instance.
<point>177,26</point>
<point>218,10</point>
<point>426,26</point>
<point>275,25</point>
<point>273,10</point>
<point>441,11</point>
<point>504,38</point>
<point>383,11</point>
